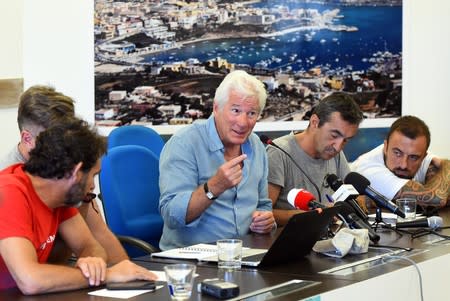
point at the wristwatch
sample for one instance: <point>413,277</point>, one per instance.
<point>209,194</point>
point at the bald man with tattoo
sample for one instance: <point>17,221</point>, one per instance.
<point>402,166</point>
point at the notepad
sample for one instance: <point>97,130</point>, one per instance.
<point>198,251</point>
<point>202,252</point>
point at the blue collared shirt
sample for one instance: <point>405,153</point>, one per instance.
<point>188,160</point>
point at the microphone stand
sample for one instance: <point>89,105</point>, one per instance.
<point>379,221</point>
<point>422,232</point>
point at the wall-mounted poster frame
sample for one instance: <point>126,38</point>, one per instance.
<point>10,90</point>
<point>159,63</point>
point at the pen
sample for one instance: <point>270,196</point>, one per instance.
<point>329,198</point>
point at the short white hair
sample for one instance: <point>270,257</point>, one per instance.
<point>244,84</point>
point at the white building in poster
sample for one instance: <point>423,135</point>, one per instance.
<point>117,96</point>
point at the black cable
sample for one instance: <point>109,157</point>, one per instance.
<point>446,227</point>
<point>423,232</point>
<point>439,234</point>
<point>266,140</point>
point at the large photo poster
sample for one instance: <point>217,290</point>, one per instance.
<point>159,62</point>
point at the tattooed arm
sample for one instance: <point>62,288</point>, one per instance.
<point>436,190</point>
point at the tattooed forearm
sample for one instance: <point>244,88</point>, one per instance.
<point>435,192</point>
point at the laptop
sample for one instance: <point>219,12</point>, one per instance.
<point>294,242</point>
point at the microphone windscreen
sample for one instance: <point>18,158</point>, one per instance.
<point>435,222</point>
<point>300,198</point>
<point>358,181</point>
<point>291,196</point>
<point>333,181</point>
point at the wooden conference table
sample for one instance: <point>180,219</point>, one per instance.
<point>355,274</point>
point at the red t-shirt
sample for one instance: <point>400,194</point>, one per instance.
<point>23,214</point>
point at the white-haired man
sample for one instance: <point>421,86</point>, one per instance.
<point>213,178</point>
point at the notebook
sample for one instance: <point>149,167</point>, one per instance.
<point>201,252</point>
<point>294,242</point>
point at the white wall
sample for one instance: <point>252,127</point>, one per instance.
<point>11,65</point>
<point>58,50</point>
<point>399,285</point>
<point>426,90</point>
<point>47,42</point>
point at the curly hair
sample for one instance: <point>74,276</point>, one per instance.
<point>62,146</point>
<point>338,102</point>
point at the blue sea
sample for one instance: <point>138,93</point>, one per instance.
<point>379,29</point>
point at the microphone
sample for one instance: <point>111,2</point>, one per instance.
<point>345,193</point>
<point>303,199</point>
<point>362,185</point>
<point>354,222</point>
<point>433,222</point>
<point>266,140</point>
<point>89,197</point>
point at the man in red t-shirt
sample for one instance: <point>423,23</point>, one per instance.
<point>39,107</point>
<point>39,199</point>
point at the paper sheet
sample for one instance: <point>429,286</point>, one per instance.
<point>389,215</point>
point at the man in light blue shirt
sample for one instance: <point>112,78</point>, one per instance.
<point>213,174</point>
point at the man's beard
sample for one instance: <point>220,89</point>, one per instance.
<point>76,194</point>
<point>403,176</point>
<point>329,152</point>
<point>394,171</point>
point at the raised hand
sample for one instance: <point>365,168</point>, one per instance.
<point>228,175</point>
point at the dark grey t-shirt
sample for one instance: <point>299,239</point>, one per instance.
<point>284,173</point>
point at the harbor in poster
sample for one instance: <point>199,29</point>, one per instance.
<point>301,51</point>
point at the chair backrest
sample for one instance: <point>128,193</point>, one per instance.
<point>137,135</point>
<point>129,187</point>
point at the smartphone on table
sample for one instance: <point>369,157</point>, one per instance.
<point>132,285</point>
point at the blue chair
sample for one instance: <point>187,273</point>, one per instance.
<point>137,135</point>
<point>129,186</point>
